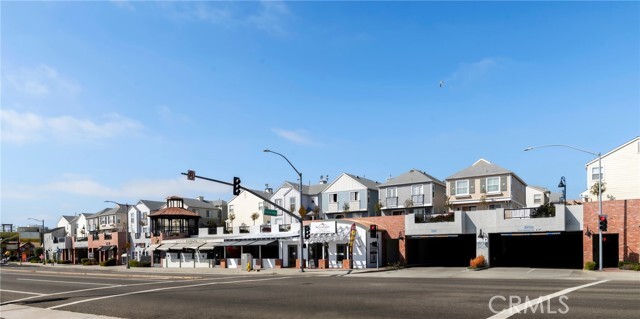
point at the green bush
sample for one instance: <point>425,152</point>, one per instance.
<point>64,262</point>
<point>133,263</point>
<point>88,261</point>
<point>109,262</point>
<point>590,265</point>
<point>620,264</point>
<point>636,267</point>
<point>144,264</point>
<point>35,260</point>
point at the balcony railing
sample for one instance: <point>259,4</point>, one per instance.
<point>527,213</point>
<point>434,218</point>
<point>392,202</point>
<point>265,228</point>
<point>283,228</point>
<point>213,230</point>
<point>417,199</point>
<point>244,229</point>
<point>354,205</point>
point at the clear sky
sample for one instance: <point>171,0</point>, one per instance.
<point>113,100</point>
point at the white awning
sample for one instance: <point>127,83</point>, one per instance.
<point>208,246</point>
<point>165,247</point>
<point>154,246</point>
<point>226,243</point>
<point>193,245</point>
<point>262,242</point>
<point>181,246</point>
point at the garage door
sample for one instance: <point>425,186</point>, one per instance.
<point>536,250</point>
<point>449,251</point>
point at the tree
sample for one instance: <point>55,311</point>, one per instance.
<point>377,207</point>
<point>594,189</point>
<point>255,216</point>
<point>302,211</point>
<point>345,207</point>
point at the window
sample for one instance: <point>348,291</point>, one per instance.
<point>417,190</point>
<point>260,206</point>
<point>354,196</point>
<point>231,207</point>
<point>493,184</point>
<point>292,201</point>
<point>333,198</point>
<point>495,206</point>
<point>391,192</point>
<point>208,213</point>
<point>537,198</point>
<point>462,187</point>
<point>595,173</point>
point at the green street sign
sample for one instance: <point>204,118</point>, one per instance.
<point>270,212</point>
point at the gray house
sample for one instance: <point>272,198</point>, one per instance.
<point>350,196</point>
<point>414,191</point>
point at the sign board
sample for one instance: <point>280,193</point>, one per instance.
<point>323,227</point>
<point>270,212</point>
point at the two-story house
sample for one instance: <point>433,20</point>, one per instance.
<point>107,230</point>
<point>212,213</point>
<point>80,238</point>
<point>537,196</point>
<point>485,185</point>
<point>350,196</point>
<point>246,206</point>
<point>620,173</point>
<point>414,191</point>
<point>140,228</point>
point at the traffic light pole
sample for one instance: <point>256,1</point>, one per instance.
<point>192,176</point>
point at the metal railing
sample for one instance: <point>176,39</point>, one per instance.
<point>417,199</point>
<point>434,218</point>
<point>392,201</point>
<point>526,213</point>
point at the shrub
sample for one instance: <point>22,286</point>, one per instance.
<point>109,262</point>
<point>13,258</point>
<point>133,263</point>
<point>477,262</point>
<point>636,267</point>
<point>64,262</point>
<point>620,264</point>
<point>34,260</point>
<point>590,265</point>
<point>144,264</point>
<point>88,261</point>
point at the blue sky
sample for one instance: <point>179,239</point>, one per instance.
<point>113,100</point>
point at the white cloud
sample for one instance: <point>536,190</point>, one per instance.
<point>468,73</point>
<point>298,137</point>
<point>27,127</point>
<point>168,115</point>
<point>42,80</point>
<point>269,16</point>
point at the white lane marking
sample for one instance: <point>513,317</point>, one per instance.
<point>67,282</point>
<point>100,288</point>
<point>531,270</point>
<point>21,292</point>
<point>165,288</point>
<point>516,309</point>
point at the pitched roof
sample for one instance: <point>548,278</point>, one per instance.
<point>480,168</point>
<point>110,211</point>
<point>635,139</point>
<point>306,189</point>
<point>366,182</point>
<point>174,211</point>
<point>152,204</point>
<point>413,176</point>
<point>69,219</point>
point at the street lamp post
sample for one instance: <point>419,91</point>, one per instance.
<point>126,236</point>
<point>44,260</point>
<point>599,155</point>
<point>300,190</point>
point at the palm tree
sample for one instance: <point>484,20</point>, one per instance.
<point>255,216</point>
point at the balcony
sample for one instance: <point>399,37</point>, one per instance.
<point>333,208</point>
<point>434,224</point>
<point>354,205</point>
<point>391,202</point>
<point>418,200</point>
<point>283,228</point>
<point>245,229</point>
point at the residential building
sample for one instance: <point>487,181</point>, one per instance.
<point>350,196</point>
<point>288,196</point>
<point>140,228</point>
<point>537,195</point>
<point>313,199</point>
<point>80,245</point>
<point>212,213</point>
<point>485,185</point>
<point>67,223</point>
<point>414,191</point>
<point>620,173</point>
<point>107,230</point>
<point>245,205</point>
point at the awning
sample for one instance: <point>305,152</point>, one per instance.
<point>208,246</point>
<point>262,242</point>
<point>193,245</point>
<point>165,247</point>
<point>154,246</point>
<point>227,243</point>
<point>180,246</point>
<point>107,248</point>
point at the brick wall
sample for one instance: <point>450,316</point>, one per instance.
<point>623,218</point>
<point>392,227</point>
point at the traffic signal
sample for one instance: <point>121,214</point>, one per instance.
<point>373,231</point>
<point>236,186</point>
<point>603,223</point>
<point>307,232</point>
<point>191,175</point>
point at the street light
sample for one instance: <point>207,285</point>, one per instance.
<point>126,236</point>
<point>300,190</point>
<point>41,238</point>
<point>599,155</point>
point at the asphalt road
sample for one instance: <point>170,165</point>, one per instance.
<point>280,296</point>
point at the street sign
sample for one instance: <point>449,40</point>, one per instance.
<point>270,212</point>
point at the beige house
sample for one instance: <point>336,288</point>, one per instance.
<point>244,205</point>
<point>537,195</point>
<point>483,186</point>
<point>620,173</point>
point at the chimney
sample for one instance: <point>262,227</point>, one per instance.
<point>201,198</point>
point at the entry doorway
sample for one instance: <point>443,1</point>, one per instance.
<point>610,246</point>
<point>292,255</point>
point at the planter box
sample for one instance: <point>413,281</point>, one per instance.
<point>223,263</point>
<point>346,264</point>
<point>278,263</point>
<point>323,263</point>
<point>298,263</point>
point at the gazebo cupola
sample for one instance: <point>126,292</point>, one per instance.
<point>174,221</point>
